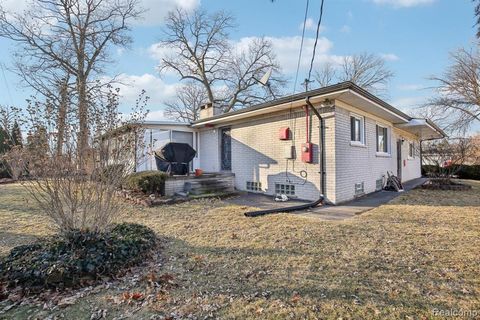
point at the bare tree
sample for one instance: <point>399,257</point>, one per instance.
<point>326,75</point>
<point>366,70</point>
<point>186,107</point>
<point>457,99</point>
<point>75,35</point>
<point>203,53</point>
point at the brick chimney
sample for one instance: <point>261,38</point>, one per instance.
<point>209,110</point>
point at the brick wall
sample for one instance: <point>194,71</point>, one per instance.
<point>356,164</point>
<point>258,155</point>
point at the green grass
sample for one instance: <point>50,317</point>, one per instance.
<point>402,260</point>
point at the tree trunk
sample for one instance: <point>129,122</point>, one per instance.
<point>62,118</point>
<point>82,139</point>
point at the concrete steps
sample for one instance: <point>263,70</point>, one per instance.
<point>209,185</point>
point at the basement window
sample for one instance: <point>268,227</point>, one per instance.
<point>286,189</point>
<point>379,184</point>
<point>254,186</point>
<point>359,189</point>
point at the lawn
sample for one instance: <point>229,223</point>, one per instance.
<point>414,258</point>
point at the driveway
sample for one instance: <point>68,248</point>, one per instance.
<point>343,211</point>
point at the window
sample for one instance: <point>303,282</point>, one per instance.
<point>357,129</point>
<point>254,186</point>
<point>287,189</point>
<point>382,139</point>
<point>379,184</point>
<point>359,189</point>
<point>411,150</point>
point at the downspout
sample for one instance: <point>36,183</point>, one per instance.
<point>321,148</point>
<point>321,197</point>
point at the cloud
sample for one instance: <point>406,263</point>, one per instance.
<point>403,3</point>
<point>410,87</point>
<point>408,103</point>
<point>389,56</point>
<point>157,115</point>
<point>158,91</point>
<point>311,25</point>
<point>287,50</point>
<point>158,9</point>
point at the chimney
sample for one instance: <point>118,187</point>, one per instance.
<point>209,110</point>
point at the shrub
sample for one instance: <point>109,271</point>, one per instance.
<point>111,172</point>
<point>68,261</point>
<point>4,172</point>
<point>471,172</point>
<point>147,181</point>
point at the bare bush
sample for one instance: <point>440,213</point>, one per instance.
<point>84,196</point>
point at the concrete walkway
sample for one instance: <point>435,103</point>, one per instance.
<point>328,212</point>
<point>350,209</point>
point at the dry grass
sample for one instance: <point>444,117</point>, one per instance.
<point>400,261</point>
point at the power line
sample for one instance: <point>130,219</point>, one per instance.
<point>6,83</point>
<point>315,44</point>
<point>301,47</point>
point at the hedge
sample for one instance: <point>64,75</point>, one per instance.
<point>471,172</point>
<point>68,261</point>
<point>147,181</point>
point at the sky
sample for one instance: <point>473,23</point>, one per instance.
<point>414,36</point>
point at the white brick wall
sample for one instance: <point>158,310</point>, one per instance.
<point>355,164</point>
<point>259,155</point>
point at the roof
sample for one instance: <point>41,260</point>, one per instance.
<point>347,85</point>
<point>344,91</point>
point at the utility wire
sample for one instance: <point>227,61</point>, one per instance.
<point>301,47</point>
<point>316,41</point>
<point>6,83</point>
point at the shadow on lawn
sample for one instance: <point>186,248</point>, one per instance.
<point>423,197</point>
<point>252,272</point>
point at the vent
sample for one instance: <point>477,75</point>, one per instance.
<point>379,184</point>
<point>286,189</point>
<point>359,189</point>
<point>254,186</point>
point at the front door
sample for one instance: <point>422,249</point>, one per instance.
<point>226,149</point>
<point>399,159</point>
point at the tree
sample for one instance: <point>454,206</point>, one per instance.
<point>366,70</point>
<point>202,53</point>
<point>17,139</point>
<point>4,141</point>
<point>74,35</point>
<point>477,16</point>
<point>186,106</point>
<point>457,95</point>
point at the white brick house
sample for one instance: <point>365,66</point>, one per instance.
<point>363,137</point>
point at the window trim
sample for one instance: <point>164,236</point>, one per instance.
<point>383,153</point>
<point>362,140</point>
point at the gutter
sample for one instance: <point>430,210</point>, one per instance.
<point>321,197</point>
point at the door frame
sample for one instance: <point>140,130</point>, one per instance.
<point>399,159</point>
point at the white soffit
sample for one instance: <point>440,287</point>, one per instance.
<point>421,128</point>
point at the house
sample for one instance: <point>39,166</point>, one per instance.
<point>281,146</point>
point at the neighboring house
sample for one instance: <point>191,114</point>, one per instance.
<point>274,147</point>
